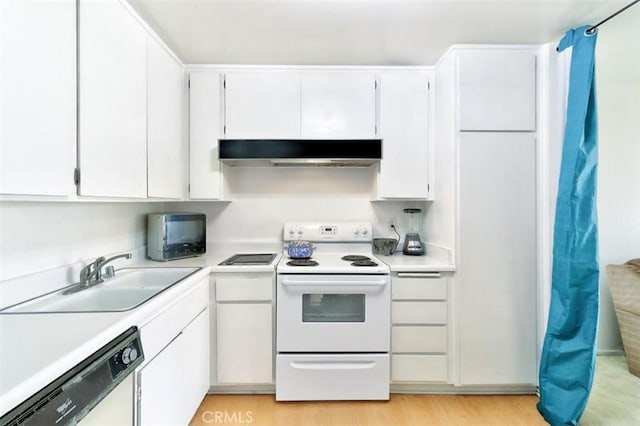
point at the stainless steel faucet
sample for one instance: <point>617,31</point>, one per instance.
<point>92,273</point>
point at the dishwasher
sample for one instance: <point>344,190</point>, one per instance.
<point>97,391</point>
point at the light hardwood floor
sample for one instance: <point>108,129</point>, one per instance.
<point>402,409</point>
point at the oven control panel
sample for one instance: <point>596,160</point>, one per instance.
<point>328,231</point>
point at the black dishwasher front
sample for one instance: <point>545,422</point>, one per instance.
<point>70,397</point>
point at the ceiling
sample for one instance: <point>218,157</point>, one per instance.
<point>356,32</point>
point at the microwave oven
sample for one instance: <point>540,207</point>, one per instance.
<point>176,235</point>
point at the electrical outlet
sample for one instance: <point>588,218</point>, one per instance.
<point>392,223</point>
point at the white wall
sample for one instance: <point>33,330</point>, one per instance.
<point>265,198</point>
<point>38,236</point>
<point>618,90</point>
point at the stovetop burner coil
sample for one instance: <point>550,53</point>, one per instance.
<point>355,258</point>
<point>302,262</point>
<point>367,262</point>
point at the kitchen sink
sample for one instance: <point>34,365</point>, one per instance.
<point>129,288</point>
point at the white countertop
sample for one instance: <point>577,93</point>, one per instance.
<point>399,262</point>
<point>214,258</point>
<point>437,259</point>
<point>35,349</point>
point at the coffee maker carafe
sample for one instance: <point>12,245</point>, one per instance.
<point>413,245</point>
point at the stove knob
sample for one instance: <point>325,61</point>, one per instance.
<point>292,231</point>
<point>356,231</point>
<point>299,231</point>
<point>364,231</point>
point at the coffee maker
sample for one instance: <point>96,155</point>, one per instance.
<point>413,245</point>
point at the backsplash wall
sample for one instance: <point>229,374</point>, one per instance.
<point>263,198</point>
<point>38,236</point>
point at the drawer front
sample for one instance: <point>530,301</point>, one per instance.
<point>418,312</point>
<point>305,377</point>
<point>409,286</point>
<point>244,288</point>
<point>419,368</point>
<point>159,331</point>
<point>419,339</point>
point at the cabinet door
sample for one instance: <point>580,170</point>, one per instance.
<point>195,380</point>
<point>165,82</point>
<point>497,90</point>
<point>205,116</point>
<point>175,381</point>
<point>38,101</point>
<point>497,259</point>
<point>162,396</point>
<point>263,104</point>
<point>404,126</point>
<point>244,343</point>
<point>338,105</point>
<point>112,101</point>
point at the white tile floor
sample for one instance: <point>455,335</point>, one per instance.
<point>615,395</point>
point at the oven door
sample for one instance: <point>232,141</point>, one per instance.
<point>333,313</point>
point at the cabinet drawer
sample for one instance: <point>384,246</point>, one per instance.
<point>244,288</point>
<point>418,312</point>
<point>421,286</point>
<point>160,330</point>
<point>419,338</point>
<point>422,368</point>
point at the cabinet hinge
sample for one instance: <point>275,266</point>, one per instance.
<point>375,84</point>
<point>428,188</point>
<point>224,130</point>
<point>224,83</point>
<point>76,176</point>
<point>189,83</point>
<point>189,188</point>
<point>139,393</point>
<point>428,85</point>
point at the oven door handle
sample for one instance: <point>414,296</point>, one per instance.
<point>314,283</point>
<point>333,365</point>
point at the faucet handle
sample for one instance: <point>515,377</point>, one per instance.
<point>109,272</point>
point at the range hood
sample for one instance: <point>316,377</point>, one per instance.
<point>300,152</point>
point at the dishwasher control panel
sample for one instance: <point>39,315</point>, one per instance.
<point>124,358</point>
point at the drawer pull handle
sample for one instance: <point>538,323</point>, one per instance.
<point>333,365</point>
<point>419,275</point>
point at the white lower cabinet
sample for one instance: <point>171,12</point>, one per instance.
<point>419,328</point>
<point>174,376</point>
<point>243,345</point>
<point>245,348</point>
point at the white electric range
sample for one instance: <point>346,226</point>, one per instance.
<point>333,316</point>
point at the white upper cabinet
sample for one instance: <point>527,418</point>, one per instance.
<point>338,105</point>
<point>276,104</point>
<point>165,82</point>
<point>497,90</point>
<point>404,127</point>
<point>205,118</point>
<point>38,101</point>
<point>263,104</point>
<point>112,101</point>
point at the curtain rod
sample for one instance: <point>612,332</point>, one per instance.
<point>594,28</point>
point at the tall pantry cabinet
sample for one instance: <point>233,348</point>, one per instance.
<point>493,90</point>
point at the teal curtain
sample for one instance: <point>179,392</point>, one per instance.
<point>568,356</point>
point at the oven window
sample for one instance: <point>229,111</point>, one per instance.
<point>333,307</point>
